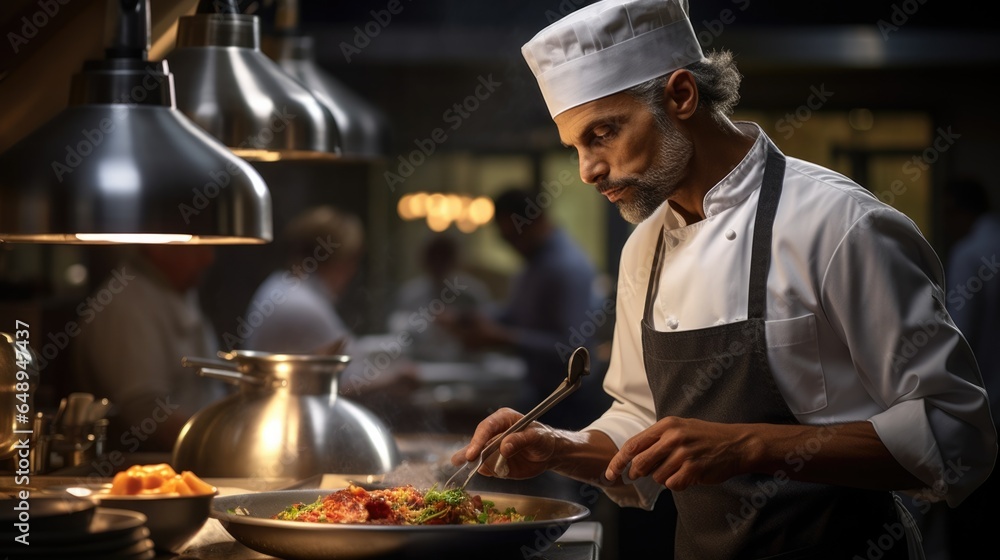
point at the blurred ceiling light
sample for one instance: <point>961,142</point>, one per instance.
<point>453,205</point>
<point>441,210</point>
<point>364,129</point>
<point>122,165</point>
<point>418,204</point>
<point>437,205</point>
<point>438,223</point>
<point>466,225</point>
<point>226,85</point>
<point>481,210</point>
<point>404,209</point>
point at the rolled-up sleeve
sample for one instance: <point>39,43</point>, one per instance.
<point>883,291</point>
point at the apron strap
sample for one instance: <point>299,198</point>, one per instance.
<point>760,255</point>
<point>654,281</point>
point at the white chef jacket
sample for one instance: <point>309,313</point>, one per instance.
<point>298,316</point>
<point>855,320</point>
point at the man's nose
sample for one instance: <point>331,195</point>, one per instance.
<point>592,168</point>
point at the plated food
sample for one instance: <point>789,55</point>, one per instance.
<point>400,505</point>
<point>250,519</point>
<point>159,479</point>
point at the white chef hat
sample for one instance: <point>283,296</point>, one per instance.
<point>608,47</point>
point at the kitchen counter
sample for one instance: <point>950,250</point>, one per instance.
<point>582,541</point>
<point>423,456</point>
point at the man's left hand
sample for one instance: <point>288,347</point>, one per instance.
<point>681,452</point>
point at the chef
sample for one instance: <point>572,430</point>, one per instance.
<point>782,361</point>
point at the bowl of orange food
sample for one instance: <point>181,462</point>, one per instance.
<point>176,505</point>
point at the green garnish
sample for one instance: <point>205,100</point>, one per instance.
<point>453,497</point>
<point>293,511</point>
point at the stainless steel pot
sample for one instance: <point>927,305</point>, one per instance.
<point>287,420</point>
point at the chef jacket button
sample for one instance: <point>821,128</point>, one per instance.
<point>730,234</point>
<point>672,322</point>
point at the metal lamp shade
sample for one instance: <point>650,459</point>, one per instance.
<point>122,165</point>
<point>227,86</point>
<point>364,130</point>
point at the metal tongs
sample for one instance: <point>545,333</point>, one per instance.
<point>579,365</point>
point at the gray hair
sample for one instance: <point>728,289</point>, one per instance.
<point>718,82</point>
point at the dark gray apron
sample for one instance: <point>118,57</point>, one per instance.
<point>721,374</point>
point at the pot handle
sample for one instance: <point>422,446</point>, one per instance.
<point>221,369</point>
<point>229,376</point>
<point>198,363</point>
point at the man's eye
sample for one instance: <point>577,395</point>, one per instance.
<point>603,133</point>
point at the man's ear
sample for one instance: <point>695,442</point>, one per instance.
<point>680,95</point>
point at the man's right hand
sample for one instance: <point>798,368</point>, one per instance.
<point>528,453</point>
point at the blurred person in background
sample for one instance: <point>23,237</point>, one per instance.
<point>298,304</point>
<point>324,248</point>
<point>549,303</point>
<point>131,350</point>
<point>973,301</point>
<point>441,279</point>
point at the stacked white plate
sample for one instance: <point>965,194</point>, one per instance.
<point>73,529</point>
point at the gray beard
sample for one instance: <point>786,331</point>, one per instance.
<point>650,189</point>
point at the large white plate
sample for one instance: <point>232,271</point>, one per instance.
<point>295,540</point>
